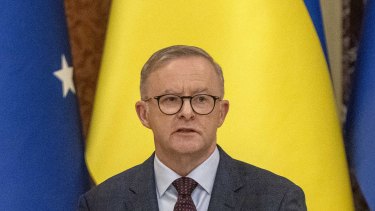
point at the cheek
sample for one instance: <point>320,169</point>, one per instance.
<point>161,126</point>
<point>214,120</point>
<point>210,125</point>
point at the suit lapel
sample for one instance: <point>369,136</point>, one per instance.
<point>224,194</point>
<point>142,190</point>
<point>227,183</point>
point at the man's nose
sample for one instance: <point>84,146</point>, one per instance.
<point>186,111</point>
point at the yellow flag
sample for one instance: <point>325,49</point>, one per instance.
<point>282,115</point>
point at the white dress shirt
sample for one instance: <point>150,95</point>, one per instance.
<point>204,175</point>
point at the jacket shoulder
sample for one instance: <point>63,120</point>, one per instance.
<point>117,183</point>
<point>118,192</point>
<point>270,189</point>
<point>261,177</point>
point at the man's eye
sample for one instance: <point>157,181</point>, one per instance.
<point>202,99</point>
<point>171,99</point>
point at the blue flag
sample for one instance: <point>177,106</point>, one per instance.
<point>41,149</point>
<point>313,6</point>
<point>360,126</point>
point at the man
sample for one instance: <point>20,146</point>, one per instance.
<point>182,91</point>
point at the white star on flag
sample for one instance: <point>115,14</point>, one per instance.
<point>65,75</point>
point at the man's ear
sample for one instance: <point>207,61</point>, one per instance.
<point>142,111</point>
<point>224,108</point>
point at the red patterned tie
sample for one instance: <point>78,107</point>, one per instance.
<point>184,187</point>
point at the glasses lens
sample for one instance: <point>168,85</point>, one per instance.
<point>203,104</point>
<point>170,104</point>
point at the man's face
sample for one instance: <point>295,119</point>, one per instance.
<point>186,132</point>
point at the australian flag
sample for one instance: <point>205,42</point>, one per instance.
<point>41,148</point>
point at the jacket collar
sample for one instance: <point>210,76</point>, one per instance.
<point>143,188</point>
<point>224,194</point>
<point>227,182</point>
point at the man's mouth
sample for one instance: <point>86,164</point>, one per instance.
<point>186,130</point>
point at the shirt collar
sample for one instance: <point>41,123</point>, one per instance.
<point>164,176</point>
<point>204,174</point>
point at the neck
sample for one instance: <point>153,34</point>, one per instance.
<point>183,164</point>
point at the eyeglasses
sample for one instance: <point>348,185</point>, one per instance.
<point>202,104</point>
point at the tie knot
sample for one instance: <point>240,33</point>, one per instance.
<point>185,185</point>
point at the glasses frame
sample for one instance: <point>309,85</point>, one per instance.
<point>157,98</point>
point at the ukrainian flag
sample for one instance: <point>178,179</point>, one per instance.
<point>282,116</point>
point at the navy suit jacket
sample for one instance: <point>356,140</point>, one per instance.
<point>237,186</point>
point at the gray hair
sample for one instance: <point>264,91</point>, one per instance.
<point>165,55</point>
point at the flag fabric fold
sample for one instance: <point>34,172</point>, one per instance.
<point>282,113</point>
<point>41,149</point>
<point>360,122</point>
<point>313,7</point>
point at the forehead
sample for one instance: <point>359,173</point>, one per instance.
<point>184,72</point>
<point>195,62</point>
<point>186,66</point>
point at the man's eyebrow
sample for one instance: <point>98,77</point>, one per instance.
<point>201,90</point>
<point>170,91</point>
